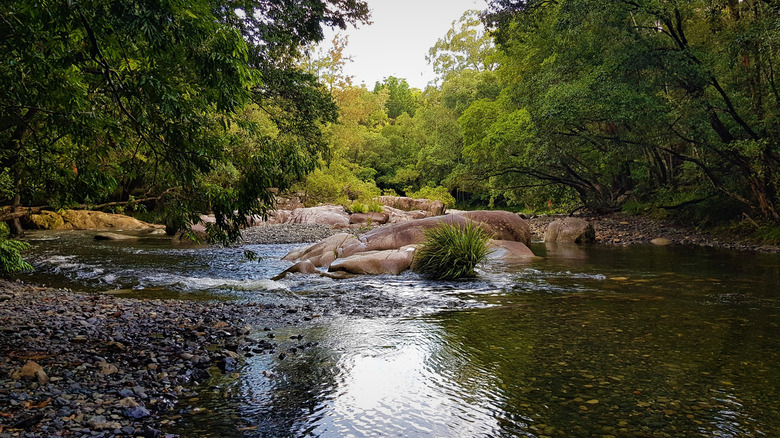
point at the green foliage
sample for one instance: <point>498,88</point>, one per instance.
<point>451,251</point>
<point>438,193</point>
<point>11,261</point>
<point>358,207</point>
<point>401,98</point>
<point>466,46</point>
<point>375,207</point>
<point>100,101</point>
<point>768,234</point>
<point>646,96</point>
<point>337,183</point>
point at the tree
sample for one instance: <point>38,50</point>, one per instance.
<point>329,66</point>
<point>401,98</point>
<point>465,47</point>
<point>638,95</point>
<point>105,100</point>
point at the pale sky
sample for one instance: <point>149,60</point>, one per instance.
<point>399,38</point>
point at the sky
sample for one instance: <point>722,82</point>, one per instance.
<point>399,38</point>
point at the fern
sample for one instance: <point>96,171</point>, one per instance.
<point>11,261</point>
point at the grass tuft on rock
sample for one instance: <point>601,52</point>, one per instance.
<point>451,251</point>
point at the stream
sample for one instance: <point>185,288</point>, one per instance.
<point>584,341</point>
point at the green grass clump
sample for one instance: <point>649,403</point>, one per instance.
<point>451,251</point>
<point>358,207</point>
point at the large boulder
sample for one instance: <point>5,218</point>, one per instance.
<point>386,250</point>
<point>370,218</point>
<point>307,267</point>
<point>324,252</point>
<point>431,208</point>
<point>509,251</point>
<point>333,215</point>
<point>393,262</point>
<point>505,225</point>
<point>279,217</point>
<point>571,230</point>
<point>397,216</point>
<point>114,236</point>
<point>399,235</point>
<point>87,220</point>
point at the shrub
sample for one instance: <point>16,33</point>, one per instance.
<point>11,261</point>
<point>434,194</point>
<point>376,207</point>
<point>358,207</point>
<point>336,184</point>
<point>451,251</point>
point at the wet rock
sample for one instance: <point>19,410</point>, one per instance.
<point>570,229</point>
<point>227,364</point>
<point>114,236</point>
<point>391,262</point>
<point>661,241</point>
<point>509,251</point>
<point>150,432</point>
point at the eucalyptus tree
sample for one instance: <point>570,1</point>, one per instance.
<point>197,104</point>
<point>466,46</point>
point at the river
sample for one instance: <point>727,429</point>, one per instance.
<point>584,341</point>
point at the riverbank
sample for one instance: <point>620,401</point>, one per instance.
<point>97,365</point>
<point>614,229</point>
<point>622,229</point>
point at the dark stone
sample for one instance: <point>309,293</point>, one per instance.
<point>227,364</point>
<point>150,432</point>
<point>137,412</point>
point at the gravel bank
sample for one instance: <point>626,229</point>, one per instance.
<point>287,233</point>
<point>97,365</point>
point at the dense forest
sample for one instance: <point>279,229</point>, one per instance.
<point>641,106</point>
<point>168,109</point>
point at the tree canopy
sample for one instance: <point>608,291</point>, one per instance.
<point>198,104</point>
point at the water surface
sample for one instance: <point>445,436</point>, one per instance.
<point>594,341</point>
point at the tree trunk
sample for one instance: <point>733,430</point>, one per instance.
<point>15,225</point>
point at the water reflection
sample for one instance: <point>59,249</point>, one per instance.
<point>593,341</point>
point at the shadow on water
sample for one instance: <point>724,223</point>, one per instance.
<point>586,341</point>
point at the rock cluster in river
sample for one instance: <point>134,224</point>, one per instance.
<point>615,229</point>
<point>97,365</point>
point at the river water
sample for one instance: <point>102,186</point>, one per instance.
<point>584,341</point>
